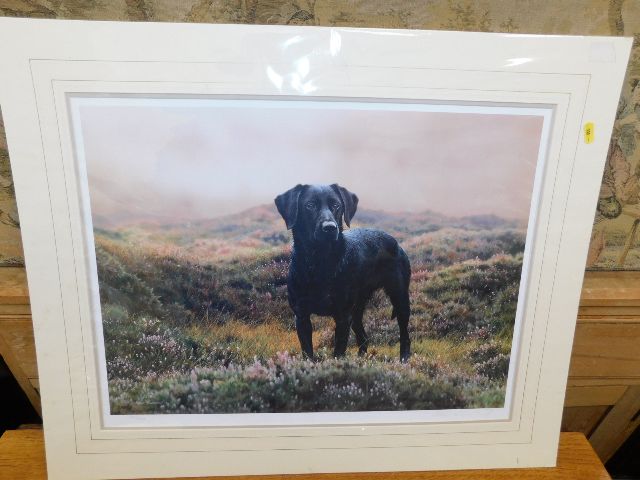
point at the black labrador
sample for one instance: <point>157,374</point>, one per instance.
<point>334,273</point>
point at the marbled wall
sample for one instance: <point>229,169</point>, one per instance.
<point>614,244</point>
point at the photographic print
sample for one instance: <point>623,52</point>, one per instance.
<point>289,256</point>
<point>278,250</point>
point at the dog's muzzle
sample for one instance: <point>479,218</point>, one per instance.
<point>328,230</point>
<point>329,227</point>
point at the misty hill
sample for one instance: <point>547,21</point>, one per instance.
<point>265,221</point>
<point>261,229</point>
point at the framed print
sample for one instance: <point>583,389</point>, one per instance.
<point>258,250</point>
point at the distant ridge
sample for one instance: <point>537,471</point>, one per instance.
<point>263,224</point>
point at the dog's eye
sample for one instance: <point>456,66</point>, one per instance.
<point>310,206</point>
<point>335,206</point>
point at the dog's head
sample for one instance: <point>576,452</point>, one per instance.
<point>317,210</point>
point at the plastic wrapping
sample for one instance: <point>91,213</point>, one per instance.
<point>283,250</point>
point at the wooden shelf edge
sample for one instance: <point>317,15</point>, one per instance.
<point>611,288</point>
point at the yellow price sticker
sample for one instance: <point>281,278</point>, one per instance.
<point>588,132</point>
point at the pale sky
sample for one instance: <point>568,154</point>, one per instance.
<point>188,161</point>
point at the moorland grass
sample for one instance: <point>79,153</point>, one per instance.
<point>185,334</point>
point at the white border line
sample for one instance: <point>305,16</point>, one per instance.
<point>303,418</point>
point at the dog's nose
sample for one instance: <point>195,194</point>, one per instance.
<point>329,227</point>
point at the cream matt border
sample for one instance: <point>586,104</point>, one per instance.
<point>455,424</point>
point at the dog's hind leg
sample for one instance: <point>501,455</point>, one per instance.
<point>343,326</point>
<point>399,296</point>
<point>357,327</point>
<point>305,334</point>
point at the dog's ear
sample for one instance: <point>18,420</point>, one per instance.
<point>287,204</point>
<point>349,202</point>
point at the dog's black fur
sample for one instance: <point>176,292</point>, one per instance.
<point>334,273</point>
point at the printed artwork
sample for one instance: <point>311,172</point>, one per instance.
<point>10,244</point>
<point>263,256</point>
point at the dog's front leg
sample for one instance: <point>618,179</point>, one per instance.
<point>305,335</point>
<point>343,327</point>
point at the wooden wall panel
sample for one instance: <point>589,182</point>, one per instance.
<point>607,349</point>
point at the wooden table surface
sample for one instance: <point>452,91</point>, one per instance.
<point>22,457</point>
